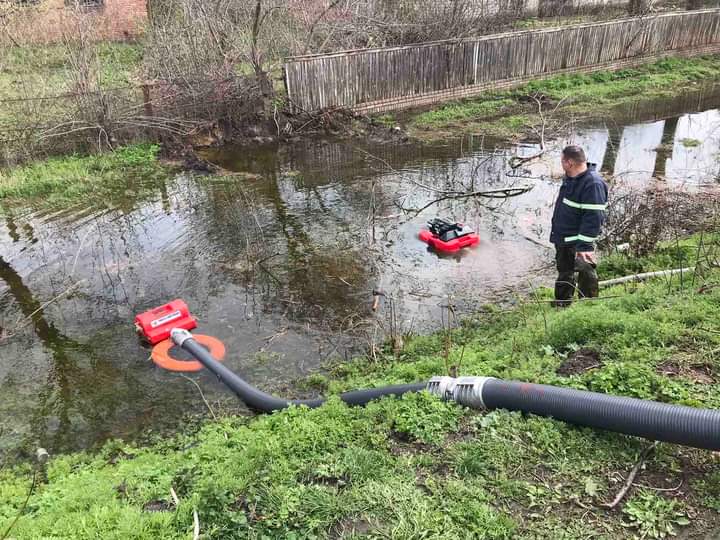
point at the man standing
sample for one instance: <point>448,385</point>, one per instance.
<point>579,214</point>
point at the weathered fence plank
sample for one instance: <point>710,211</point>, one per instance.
<point>397,77</point>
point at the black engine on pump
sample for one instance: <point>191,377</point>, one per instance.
<point>446,231</point>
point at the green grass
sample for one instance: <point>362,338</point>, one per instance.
<point>607,87</point>
<point>44,71</point>
<point>417,467</point>
<point>66,179</point>
<point>387,120</point>
<point>680,253</point>
<point>508,113</point>
<point>462,111</point>
<point>532,23</point>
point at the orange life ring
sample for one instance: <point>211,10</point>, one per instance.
<point>161,354</point>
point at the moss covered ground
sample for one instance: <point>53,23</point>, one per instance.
<point>510,113</point>
<point>417,467</point>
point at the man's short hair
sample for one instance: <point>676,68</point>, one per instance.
<point>574,153</point>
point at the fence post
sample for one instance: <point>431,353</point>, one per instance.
<point>147,101</point>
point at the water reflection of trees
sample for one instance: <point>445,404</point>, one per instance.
<point>695,150</point>
<point>273,245</point>
<point>73,388</point>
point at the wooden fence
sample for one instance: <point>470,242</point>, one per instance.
<point>398,77</point>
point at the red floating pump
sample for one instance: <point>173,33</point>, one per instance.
<point>155,325</point>
<point>448,237</point>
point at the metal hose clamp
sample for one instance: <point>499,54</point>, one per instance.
<point>180,336</point>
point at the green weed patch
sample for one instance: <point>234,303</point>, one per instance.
<point>69,178</point>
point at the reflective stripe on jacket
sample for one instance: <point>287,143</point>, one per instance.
<point>580,210</point>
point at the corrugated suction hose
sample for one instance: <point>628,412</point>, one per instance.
<point>678,424</point>
<point>649,419</point>
<point>264,402</point>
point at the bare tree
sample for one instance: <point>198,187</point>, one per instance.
<point>643,218</point>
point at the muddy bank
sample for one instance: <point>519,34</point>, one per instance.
<point>288,127</point>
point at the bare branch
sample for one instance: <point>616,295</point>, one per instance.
<point>631,477</point>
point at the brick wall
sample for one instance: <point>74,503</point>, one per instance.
<point>48,20</point>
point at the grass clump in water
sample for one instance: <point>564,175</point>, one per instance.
<point>64,179</point>
<point>454,112</point>
<point>690,143</point>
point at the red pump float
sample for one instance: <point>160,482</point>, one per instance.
<point>448,237</point>
<point>155,325</point>
<point>161,354</point>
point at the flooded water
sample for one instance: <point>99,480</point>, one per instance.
<point>280,263</point>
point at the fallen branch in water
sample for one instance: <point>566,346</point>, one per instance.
<point>517,161</point>
<point>645,275</point>
<point>450,194</point>
<point>22,323</point>
<point>498,193</point>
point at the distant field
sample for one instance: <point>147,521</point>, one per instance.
<point>44,71</point>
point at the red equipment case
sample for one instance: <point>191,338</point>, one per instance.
<point>155,325</point>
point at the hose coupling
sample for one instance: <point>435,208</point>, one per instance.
<point>442,387</point>
<point>180,336</point>
<point>463,390</point>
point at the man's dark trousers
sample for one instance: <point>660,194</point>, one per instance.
<point>567,264</point>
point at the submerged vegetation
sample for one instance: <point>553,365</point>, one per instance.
<point>513,112</point>
<point>97,176</point>
<point>417,467</point>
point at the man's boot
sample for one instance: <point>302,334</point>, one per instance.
<point>587,279</point>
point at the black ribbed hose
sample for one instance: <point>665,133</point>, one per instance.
<point>649,419</point>
<point>678,424</point>
<point>261,401</point>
